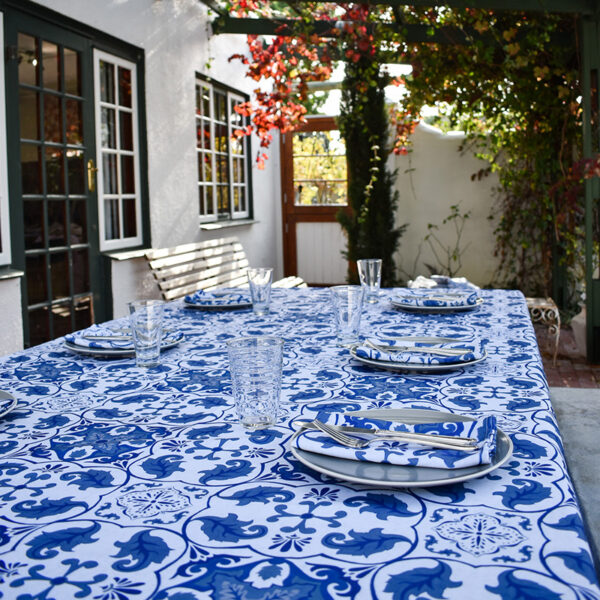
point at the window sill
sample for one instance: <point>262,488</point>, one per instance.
<point>10,273</point>
<point>126,254</point>
<point>226,224</point>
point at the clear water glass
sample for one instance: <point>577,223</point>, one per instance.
<point>260,280</point>
<point>145,317</point>
<point>347,302</point>
<point>255,364</point>
<point>369,271</point>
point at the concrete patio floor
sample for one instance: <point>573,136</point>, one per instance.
<point>575,395</point>
<point>578,413</point>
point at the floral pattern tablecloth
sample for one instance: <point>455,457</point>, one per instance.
<point>121,484</point>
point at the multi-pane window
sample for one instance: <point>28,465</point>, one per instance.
<point>222,156</point>
<point>118,180</point>
<point>319,162</point>
<point>4,229</point>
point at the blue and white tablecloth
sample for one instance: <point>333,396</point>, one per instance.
<point>123,484</point>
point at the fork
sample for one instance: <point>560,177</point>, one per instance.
<point>355,442</point>
<point>424,350</point>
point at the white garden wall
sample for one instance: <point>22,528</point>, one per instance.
<point>430,179</point>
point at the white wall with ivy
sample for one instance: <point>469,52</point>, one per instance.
<point>432,179</point>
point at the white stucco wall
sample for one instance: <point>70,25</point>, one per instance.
<point>11,332</point>
<point>174,37</point>
<point>430,179</point>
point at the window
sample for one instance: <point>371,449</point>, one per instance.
<point>4,225</point>
<point>223,188</point>
<point>118,176</point>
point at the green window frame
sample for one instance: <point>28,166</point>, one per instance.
<point>222,158</point>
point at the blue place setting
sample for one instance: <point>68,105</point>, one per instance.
<point>106,340</point>
<point>406,352</point>
<point>437,300</point>
<point>224,298</point>
<point>385,448</point>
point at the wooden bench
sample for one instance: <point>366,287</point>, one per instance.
<point>184,269</point>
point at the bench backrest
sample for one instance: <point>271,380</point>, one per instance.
<point>206,265</point>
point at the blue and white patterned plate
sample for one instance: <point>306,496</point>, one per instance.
<point>396,476</point>
<point>7,403</point>
<point>413,367</point>
<point>398,303</point>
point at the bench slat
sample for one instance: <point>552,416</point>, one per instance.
<point>184,269</point>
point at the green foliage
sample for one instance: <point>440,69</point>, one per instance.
<point>448,257</point>
<point>363,123</point>
<point>514,90</point>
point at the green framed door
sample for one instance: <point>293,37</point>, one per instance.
<point>51,149</point>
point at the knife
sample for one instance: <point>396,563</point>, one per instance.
<point>421,349</point>
<point>405,435</point>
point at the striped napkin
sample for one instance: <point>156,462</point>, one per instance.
<point>392,452</point>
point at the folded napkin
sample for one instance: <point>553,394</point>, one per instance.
<point>222,298</point>
<point>406,453</point>
<point>474,350</point>
<point>441,281</point>
<point>437,298</point>
<point>121,341</point>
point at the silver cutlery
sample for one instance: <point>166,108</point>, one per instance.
<point>422,350</point>
<point>109,338</point>
<point>451,439</point>
<point>421,439</point>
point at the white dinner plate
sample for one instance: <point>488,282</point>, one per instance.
<point>413,367</point>
<point>116,352</point>
<point>400,476</point>
<point>7,403</point>
<point>396,303</point>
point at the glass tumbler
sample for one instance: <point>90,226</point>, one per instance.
<point>145,318</point>
<point>255,363</point>
<point>260,280</point>
<point>347,302</point>
<point>369,271</point>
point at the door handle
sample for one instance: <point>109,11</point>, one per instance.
<point>91,173</point>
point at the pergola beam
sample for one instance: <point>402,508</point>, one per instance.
<point>412,33</point>
<point>582,7</point>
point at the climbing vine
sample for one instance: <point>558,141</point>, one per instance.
<point>510,80</point>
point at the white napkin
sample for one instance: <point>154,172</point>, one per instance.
<point>406,453</point>
<point>441,281</point>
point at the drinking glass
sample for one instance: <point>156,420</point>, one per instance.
<point>260,280</point>
<point>369,271</point>
<point>255,364</point>
<point>145,317</point>
<point>347,302</point>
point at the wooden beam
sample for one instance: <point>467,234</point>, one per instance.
<point>583,7</point>
<point>412,33</point>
